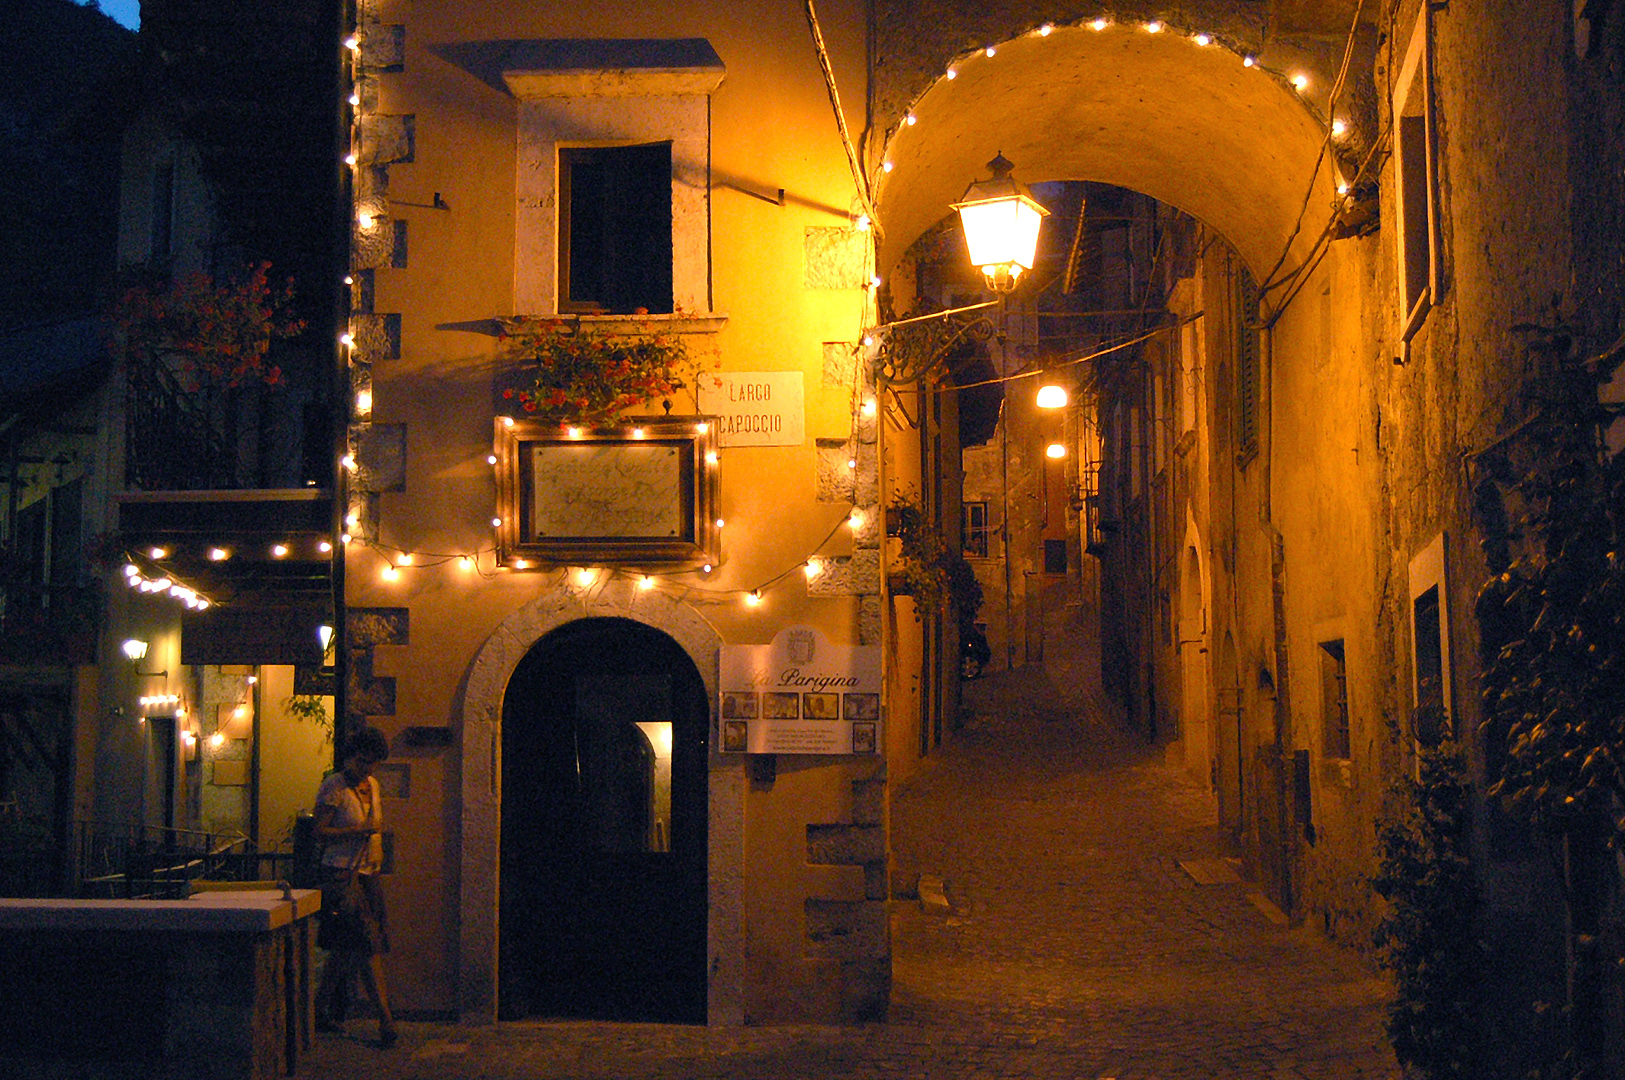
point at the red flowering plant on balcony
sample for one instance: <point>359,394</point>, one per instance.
<point>208,333</point>
<point>563,372</point>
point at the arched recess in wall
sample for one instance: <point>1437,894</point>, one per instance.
<point>481,742</point>
<point>1187,124</point>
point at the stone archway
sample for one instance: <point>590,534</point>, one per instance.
<point>1189,124</point>
<point>481,743</point>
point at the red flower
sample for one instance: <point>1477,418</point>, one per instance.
<point>507,393</point>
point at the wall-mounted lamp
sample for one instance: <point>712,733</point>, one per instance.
<point>1000,219</point>
<point>136,650</point>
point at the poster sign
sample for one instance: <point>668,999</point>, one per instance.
<point>800,695</point>
<point>755,408</point>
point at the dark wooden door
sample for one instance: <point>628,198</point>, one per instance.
<point>603,872</point>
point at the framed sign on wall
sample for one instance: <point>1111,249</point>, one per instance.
<point>643,492</point>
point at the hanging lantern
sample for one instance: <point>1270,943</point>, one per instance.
<point>1000,219</point>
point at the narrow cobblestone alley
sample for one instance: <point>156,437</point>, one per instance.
<point>1075,946</point>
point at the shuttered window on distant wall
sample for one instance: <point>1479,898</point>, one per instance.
<point>1247,366</point>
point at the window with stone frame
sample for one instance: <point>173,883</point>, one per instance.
<point>1416,207</point>
<point>615,229</point>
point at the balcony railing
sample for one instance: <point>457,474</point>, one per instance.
<point>175,439</point>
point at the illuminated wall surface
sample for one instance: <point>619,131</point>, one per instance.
<point>1270,475</point>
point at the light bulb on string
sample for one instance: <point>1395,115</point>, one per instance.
<point>325,546</point>
<point>645,583</point>
<point>1099,24</point>
<point>584,576</point>
<point>711,457</point>
<point>702,427</point>
<point>491,459</point>
<point>1301,82</point>
<point>496,523</point>
<point>466,562</point>
<point>279,551</point>
<point>753,598</point>
<point>814,566</point>
<point>1203,39</point>
<point>1154,26</point>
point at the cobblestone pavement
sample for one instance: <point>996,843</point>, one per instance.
<point>1075,947</point>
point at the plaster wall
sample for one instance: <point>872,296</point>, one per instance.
<point>452,635</point>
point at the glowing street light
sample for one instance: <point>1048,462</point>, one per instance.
<point>1000,219</point>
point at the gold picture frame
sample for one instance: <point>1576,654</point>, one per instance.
<point>642,492</point>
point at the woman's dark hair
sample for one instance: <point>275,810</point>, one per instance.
<point>368,741</point>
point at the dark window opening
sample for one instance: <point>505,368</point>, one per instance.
<point>973,529</point>
<point>615,229</point>
<point>1055,556</point>
<point>1334,701</point>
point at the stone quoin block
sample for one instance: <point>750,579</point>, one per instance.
<point>835,476</point>
<point>387,139</point>
<point>380,456</point>
<point>360,380</point>
<point>866,478</point>
<point>845,845</point>
<point>840,364</point>
<point>868,801</point>
<point>837,258</point>
<point>869,620</point>
<point>846,929</point>
<point>377,337</point>
<point>383,48</point>
<point>372,237</point>
<point>848,575</point>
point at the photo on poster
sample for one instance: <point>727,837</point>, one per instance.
<point>743,706</point>
<point>863,738</point>
<point>823,706</point>
<point>861,707</point>
<point>781,705</point>
<point>735,736</point>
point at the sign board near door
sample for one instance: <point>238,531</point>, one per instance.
<point>755,408</point>
<point>800,695</point>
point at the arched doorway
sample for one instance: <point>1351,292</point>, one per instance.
<point>603,885</point>
<point>1195,696</point>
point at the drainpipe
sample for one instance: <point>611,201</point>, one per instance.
<point>1283,681</point>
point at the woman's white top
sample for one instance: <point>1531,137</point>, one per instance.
<point>352,808</point>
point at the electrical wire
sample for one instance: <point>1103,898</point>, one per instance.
<point>858,178</point>
<point>1269,284</point>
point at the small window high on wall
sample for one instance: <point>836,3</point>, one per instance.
<point>1415,187</point>
<point>615,228</point>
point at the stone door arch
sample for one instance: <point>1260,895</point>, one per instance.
<point>481,795</point>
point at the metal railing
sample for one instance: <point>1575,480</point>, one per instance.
<point>155,862</point>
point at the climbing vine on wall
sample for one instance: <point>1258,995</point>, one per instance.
<point>1550,502</point>
<point>1428,937</point>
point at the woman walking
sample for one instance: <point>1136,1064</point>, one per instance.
<point>355,926</point>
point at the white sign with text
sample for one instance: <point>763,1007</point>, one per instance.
<point>755,408</point>
<point>799,695</point>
